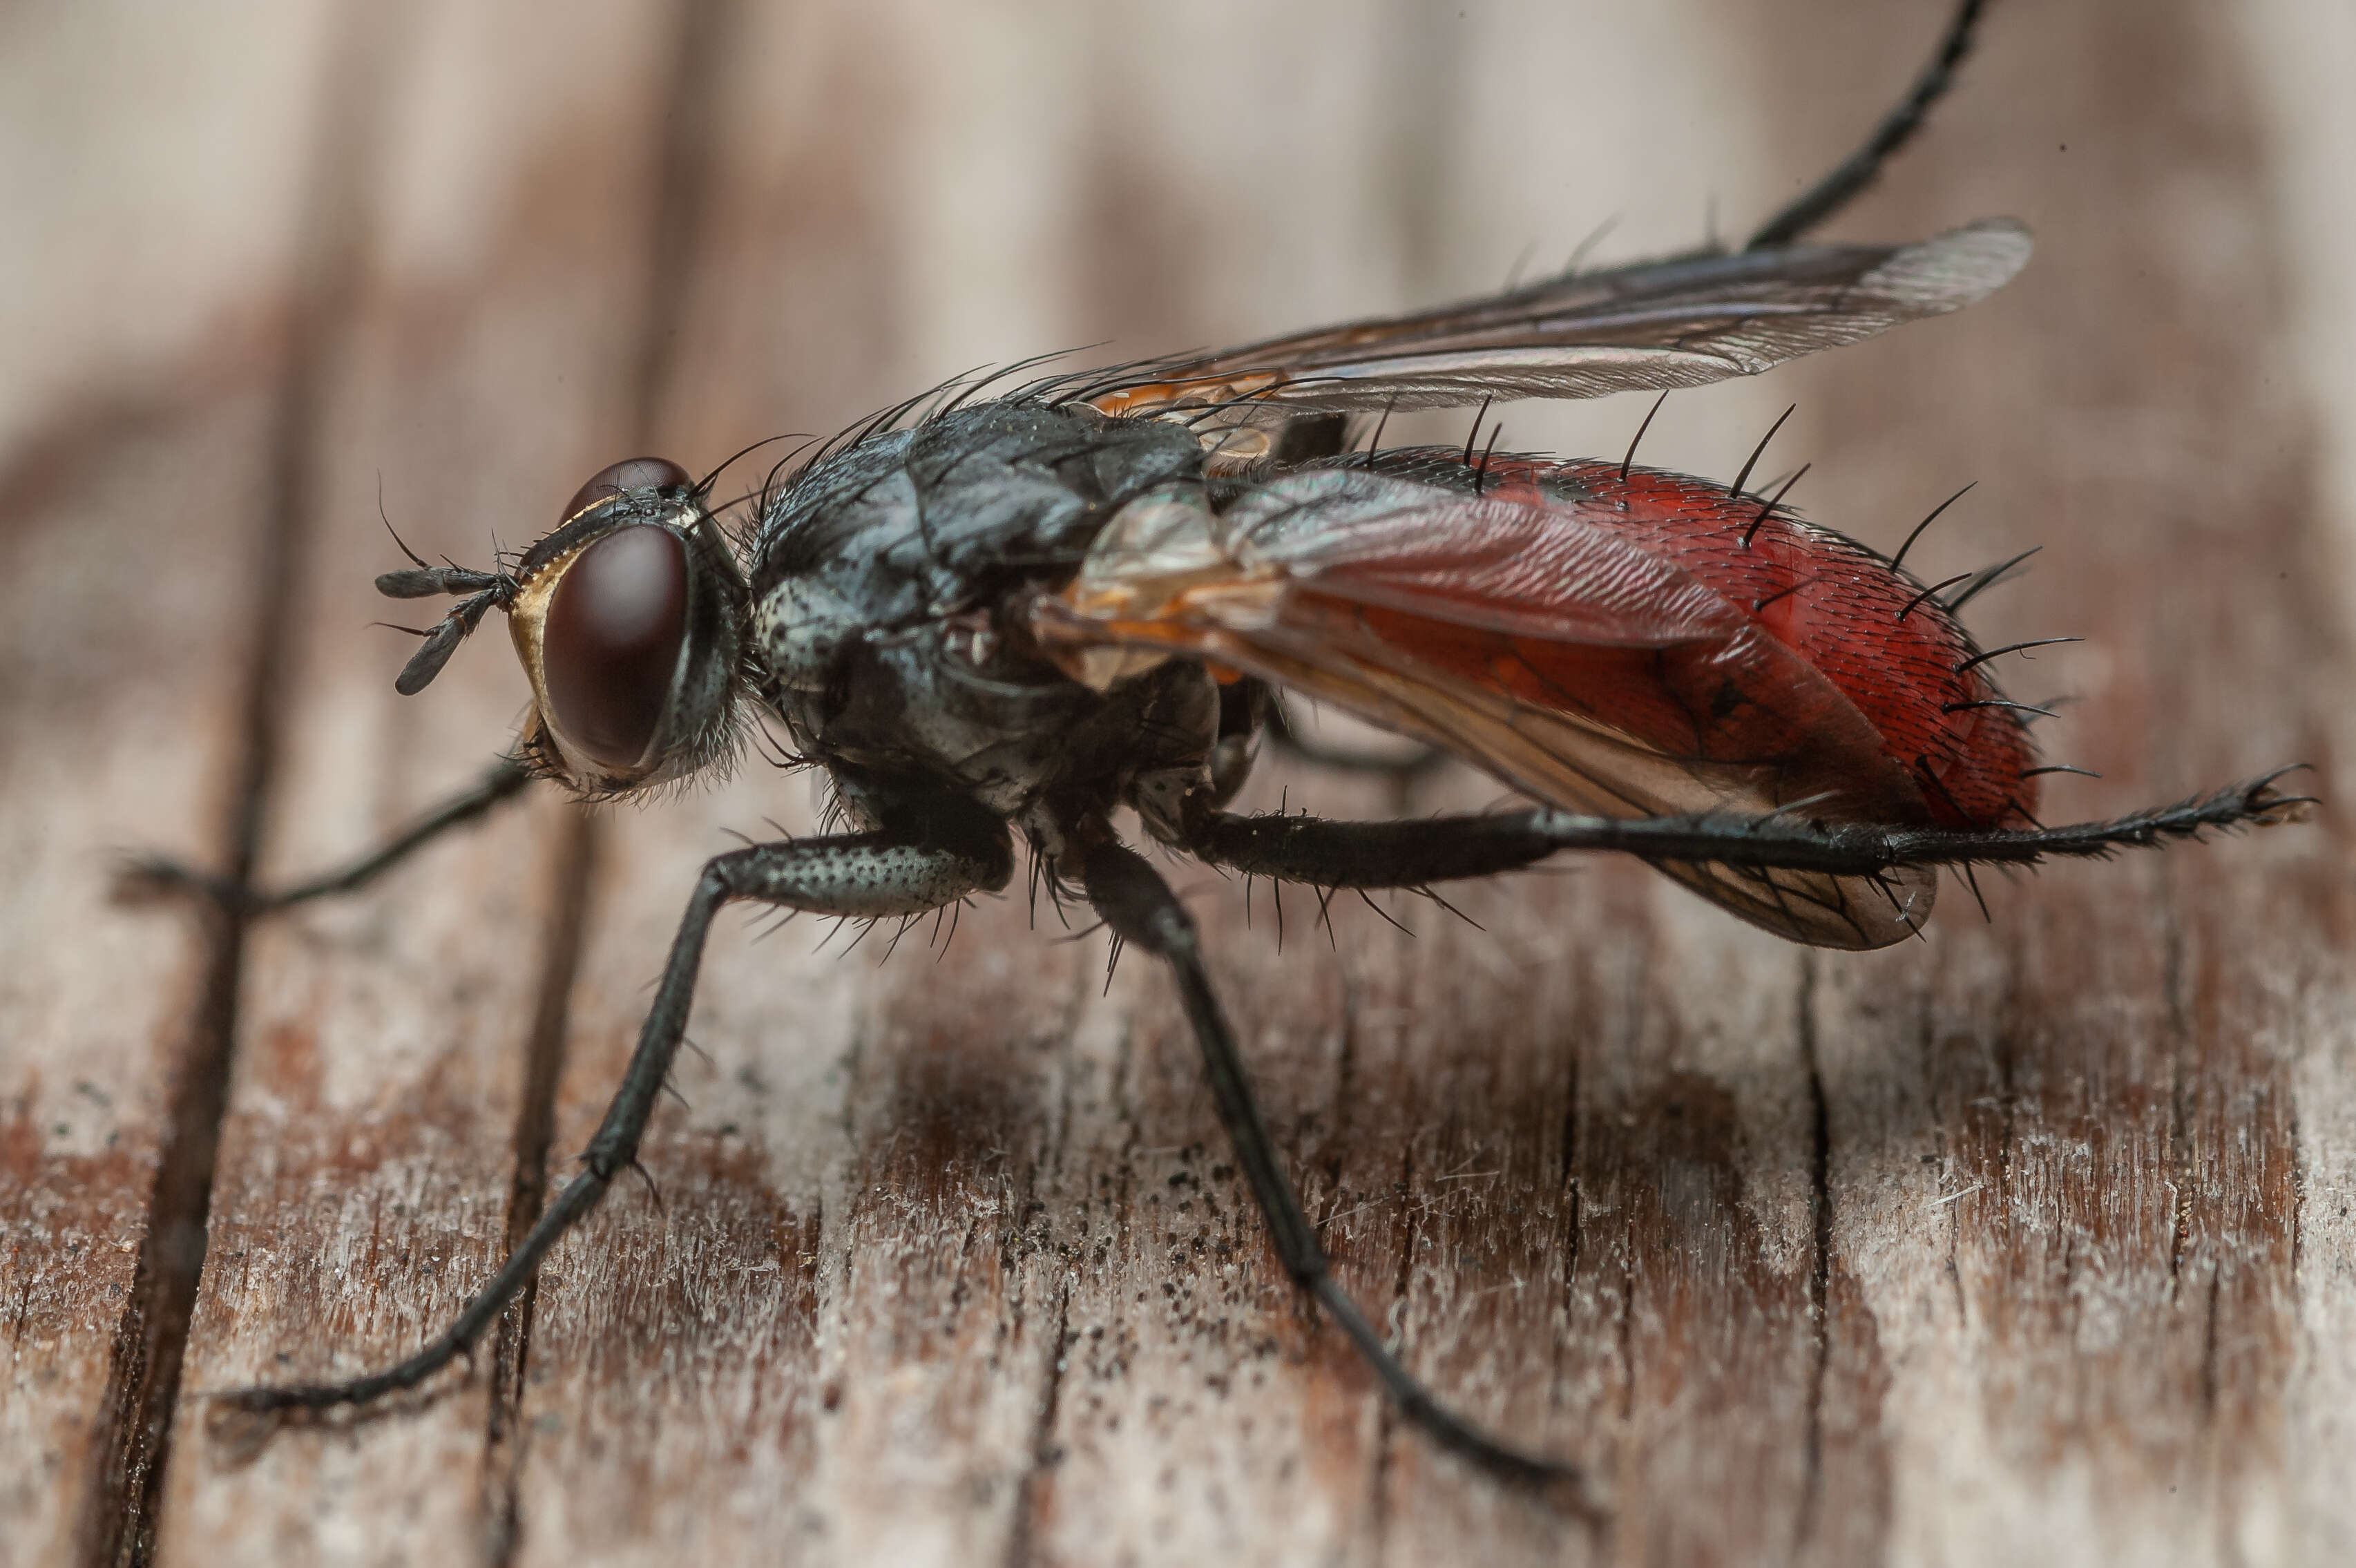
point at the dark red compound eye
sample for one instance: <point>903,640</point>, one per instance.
<point>630,473</point>
<point>611,643</point>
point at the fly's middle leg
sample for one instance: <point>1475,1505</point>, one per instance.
<point>1140,907</point>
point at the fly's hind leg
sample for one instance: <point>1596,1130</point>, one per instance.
<point>922,859</point>
<point>1140,907</point>
<point>1817,204</point>
<point>1443,849</point>
<point>1368,855</point>
<point>146,876</point>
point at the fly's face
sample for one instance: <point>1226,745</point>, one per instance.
<point>629,620</point>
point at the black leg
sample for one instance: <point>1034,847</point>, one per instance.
<point>1408,854</point>
<point>1441,849</point>
<point>505,781</point>
<point>1141,908</point>
<point>861,876</point>
<point>1836,190</point>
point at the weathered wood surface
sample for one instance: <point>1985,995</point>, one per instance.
<point>2029,1243</point>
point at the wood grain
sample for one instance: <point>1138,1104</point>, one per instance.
<point>2027,1243</point>
<point>132,751</point>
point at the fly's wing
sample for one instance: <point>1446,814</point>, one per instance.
<point>1653,326</point>
<point>1575,666</point>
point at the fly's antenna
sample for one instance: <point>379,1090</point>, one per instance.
<point>1836,190</point>
<point>485,591</point>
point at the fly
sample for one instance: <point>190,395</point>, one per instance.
<point>993,617</point>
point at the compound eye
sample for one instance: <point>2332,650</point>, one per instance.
<point>611,643</point>
<point>630,473</point>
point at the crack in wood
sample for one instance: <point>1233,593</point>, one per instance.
<point>1021,1545</point>
<point>1573,1212</point>
<point>679,187</point>
<point>1386,1421</point>
<point>134,1433</point>
<point>572,872</point>
<point>1820,1206</point>
<point>142,1383</point>
<point>2181,1067</point>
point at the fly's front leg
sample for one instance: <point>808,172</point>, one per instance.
<point>150,874</point>
<point>908,868</point>
<point>1140,907</point>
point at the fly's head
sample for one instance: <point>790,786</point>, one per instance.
<point>630,619</point>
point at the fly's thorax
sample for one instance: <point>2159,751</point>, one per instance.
<point>892,580</point>
<point>963,701</point>
<point>800,628</point>
<point>940,522</point>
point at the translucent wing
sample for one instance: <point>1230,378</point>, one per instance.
<point>1653,325</point>
<point>1582,669</point>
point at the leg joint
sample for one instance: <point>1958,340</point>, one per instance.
<point>1135,902</point>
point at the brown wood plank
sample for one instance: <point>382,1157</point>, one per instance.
<point>135,478</point>
<point>366,1159</point>
<point>2098,1104</point>
<point>2029,1243</point>
<point>135,741</point>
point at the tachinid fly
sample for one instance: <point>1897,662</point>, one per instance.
<point>1011,608</point>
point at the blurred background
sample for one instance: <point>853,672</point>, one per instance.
<point>276,274</point>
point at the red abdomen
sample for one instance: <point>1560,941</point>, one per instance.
<point>1894,652</point>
